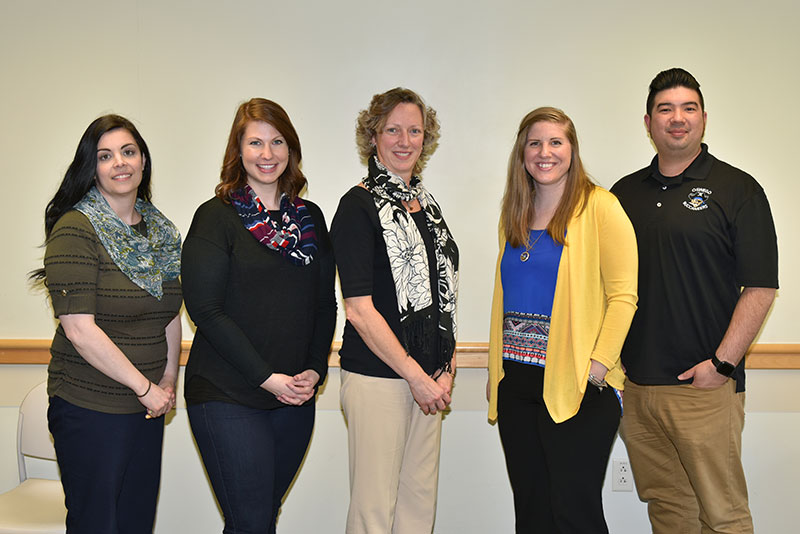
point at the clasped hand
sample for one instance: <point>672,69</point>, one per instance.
<point>432,395</point>
<point>160,399</point>
<point>293,390</point>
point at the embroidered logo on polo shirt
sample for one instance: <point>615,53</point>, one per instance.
<point>697,199</point>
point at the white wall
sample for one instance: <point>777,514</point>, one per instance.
<point>179,68</point>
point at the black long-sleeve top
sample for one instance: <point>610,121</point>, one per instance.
<point>256,312</point>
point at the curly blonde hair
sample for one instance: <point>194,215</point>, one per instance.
<point>372,120</point>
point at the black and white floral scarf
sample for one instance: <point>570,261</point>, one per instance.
<point>409,261</point>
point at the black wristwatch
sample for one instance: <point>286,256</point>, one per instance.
<point>723,368</point>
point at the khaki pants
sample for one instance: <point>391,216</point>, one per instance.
<point>685,448</point>
<point>394,457</point>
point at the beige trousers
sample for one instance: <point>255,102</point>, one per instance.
<point>685,447</point>
<point>394,457</point>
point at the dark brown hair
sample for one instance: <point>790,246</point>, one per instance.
<point>669,79</point>
<point>81,173</point>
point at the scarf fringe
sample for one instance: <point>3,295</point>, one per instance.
<point>419,334</point>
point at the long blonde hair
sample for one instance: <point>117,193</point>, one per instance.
<point>517,213</point>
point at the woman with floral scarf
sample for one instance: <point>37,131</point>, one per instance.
<point>111,268</point>
<point>398,266</point>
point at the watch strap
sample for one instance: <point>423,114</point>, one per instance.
<point>723,368</point>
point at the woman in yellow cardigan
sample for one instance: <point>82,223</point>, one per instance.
<point>564,298</point>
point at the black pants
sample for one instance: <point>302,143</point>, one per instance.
<point>556,470</point>
<point>110,468</point>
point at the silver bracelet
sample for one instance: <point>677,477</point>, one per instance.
<point>598,383</point>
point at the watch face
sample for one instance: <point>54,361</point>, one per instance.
<point>725,368</point>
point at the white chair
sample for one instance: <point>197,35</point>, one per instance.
<point>37,504</point>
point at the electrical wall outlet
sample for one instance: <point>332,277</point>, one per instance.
<point>621,477</point>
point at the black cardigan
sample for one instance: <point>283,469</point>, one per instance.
<point>256,312</point>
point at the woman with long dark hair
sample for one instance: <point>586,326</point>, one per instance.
<point>258,277</point>
<point>111,268</point>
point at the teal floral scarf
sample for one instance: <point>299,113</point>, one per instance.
<point>146,261</point>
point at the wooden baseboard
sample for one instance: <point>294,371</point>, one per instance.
<point>468,354</point>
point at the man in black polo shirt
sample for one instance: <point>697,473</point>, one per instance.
<point>708,270</point>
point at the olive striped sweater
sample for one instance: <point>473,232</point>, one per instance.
<point>83,279</point>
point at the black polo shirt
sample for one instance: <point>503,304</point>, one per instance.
<point>702,236</point>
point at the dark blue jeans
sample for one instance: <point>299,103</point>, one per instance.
<point>110,468</point>
<point>251,457</point>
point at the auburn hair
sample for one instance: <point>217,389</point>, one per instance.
<point>233,175</point>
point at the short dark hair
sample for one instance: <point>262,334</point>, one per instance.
<point>669,79</point>
<point>233,175</point>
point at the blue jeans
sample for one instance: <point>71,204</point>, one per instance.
<point>251,456</point>
<point>110,468</point>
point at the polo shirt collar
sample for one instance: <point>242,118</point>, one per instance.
<point>698,169</point>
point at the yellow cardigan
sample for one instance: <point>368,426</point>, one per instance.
<point>593,306</point>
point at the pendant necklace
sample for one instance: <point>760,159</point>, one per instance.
<point>529,248</point>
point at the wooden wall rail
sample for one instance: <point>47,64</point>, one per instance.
<point>471,355</point>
